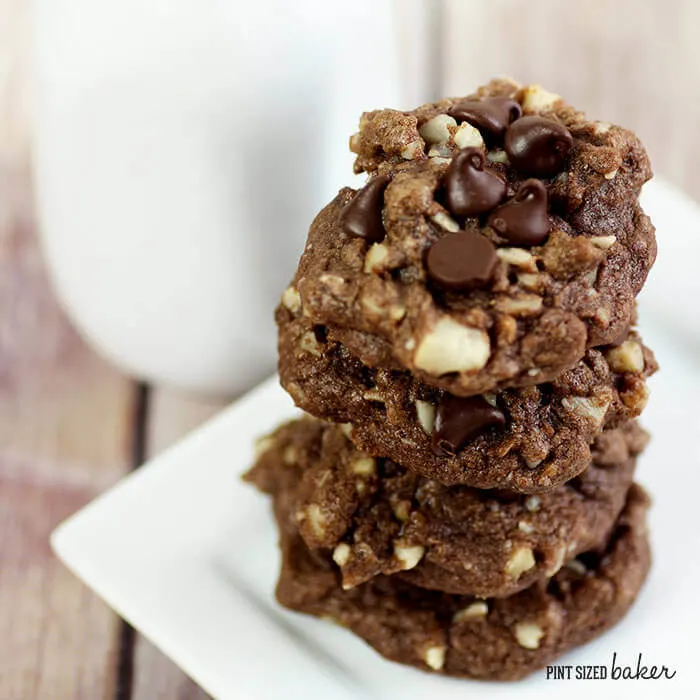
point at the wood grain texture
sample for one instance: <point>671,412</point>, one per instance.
<point>66,421</point>
<point>629,62</point>
<point>65,431</point>
<point>171,415</point>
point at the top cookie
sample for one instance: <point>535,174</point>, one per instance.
<point>497,238</point>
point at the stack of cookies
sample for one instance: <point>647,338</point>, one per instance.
<point>461,331</point>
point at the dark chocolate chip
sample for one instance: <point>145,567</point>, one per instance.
<point>458,419</point>
<point>470,188</point>
<point>523,220</point>
<point>538,146</point>
<point>362,216</point>
<point>461,260</point>
<point>491,115</point>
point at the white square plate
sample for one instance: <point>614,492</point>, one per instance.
<point>187,553</point>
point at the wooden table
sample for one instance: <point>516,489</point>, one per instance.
<point>71,425</point>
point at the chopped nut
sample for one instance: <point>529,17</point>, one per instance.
<point>507,330</point>
<point>402,510</point>
<point>335,284</point>
<point>341,554</point>
<point>372,307</point>
<point>445,221</point>
<point>308,343</point>
<point>591,276</point>
<point>557,563</point>
<point>435,657</point>
<point>525,527</point>
<point>440,150</point>
<point>376,258</point>
<point>316,519</point>
<point>532,463</point>
<point>296,392</point>
<point>263,444</point>
<point>528,635</point>
<point>497,156</point>
<point>529,280</point>
<point>577,566</point>
<point>592,407</point>
<point>536,99</point>
<point>636,399</point>
<point>627,357</point>
<point>289,456</point>
<point>291,300</point>
<point>521,560</point>
<point>331,619</point>
<point>346,429</point>
<point>603,315</point>
<point>532,503</point>
<point>439,160</point>
<point>610,175</point>
<point>425,411</point>
<point>524,305</point>
<point>408,555</point>
<point>436,129</point>
<point>467,136</point>
<point>476,610</point>
<point>517,257</point>
<point>412,151</point>
<point>601,128</point>
<point>452,347</point>
<point>603,242</point>
<point>373,395</point>
<point>364,466</point>
<point>397,312</point>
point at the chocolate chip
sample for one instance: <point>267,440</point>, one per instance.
<point>538,146</point>
<point>458,419</point>
<point>472,189</point>
<point>523,220</point>
<point>461,260</point>
<point>492,115</point>
<point>362,216</point>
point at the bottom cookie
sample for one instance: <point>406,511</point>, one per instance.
<point>496,639</point>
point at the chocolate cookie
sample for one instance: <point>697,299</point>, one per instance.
<point>495,639</point>
<point>529,439</point>
<point>378,518</point>
<point>498,237</point>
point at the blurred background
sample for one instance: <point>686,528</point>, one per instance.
<point>147,150</point>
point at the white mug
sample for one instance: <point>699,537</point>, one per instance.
<point>182,150</point>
